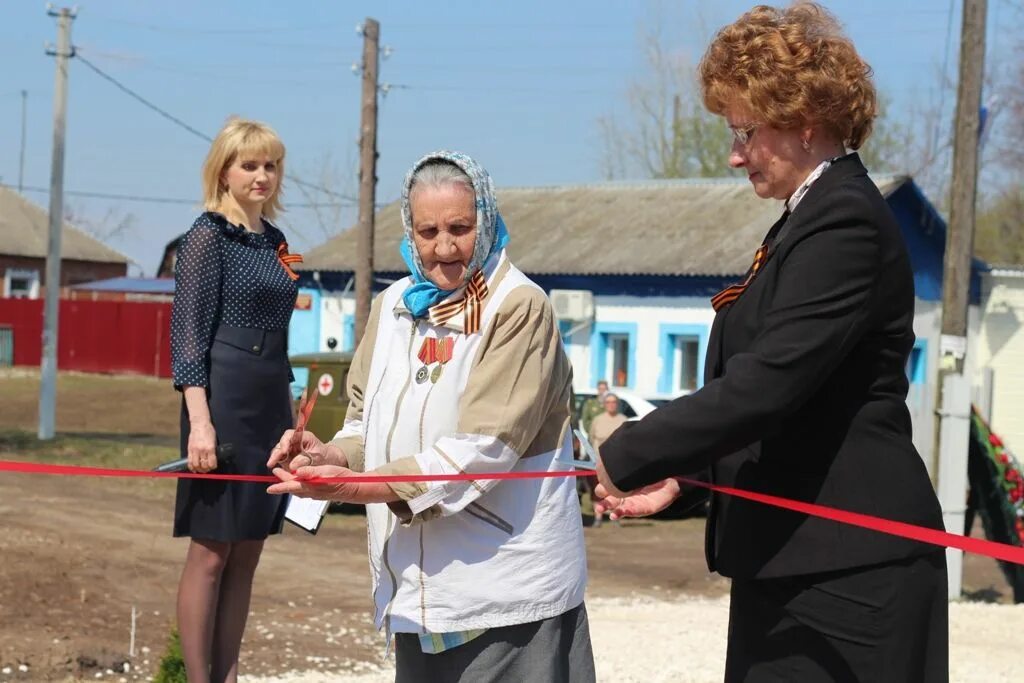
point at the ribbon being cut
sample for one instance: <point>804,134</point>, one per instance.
<point>999,551</point>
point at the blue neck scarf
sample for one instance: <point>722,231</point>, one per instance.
<point>491,233</point>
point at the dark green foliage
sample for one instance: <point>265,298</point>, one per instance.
<point>172,666</point>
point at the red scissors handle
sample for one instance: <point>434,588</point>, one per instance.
<point>305,408</point>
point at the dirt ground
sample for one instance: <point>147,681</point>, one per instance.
<point>77,555</point>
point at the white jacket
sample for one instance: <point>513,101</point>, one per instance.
<point>474,554</point>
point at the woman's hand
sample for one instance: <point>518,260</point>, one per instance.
<point>291,453</point>
<point>307,482</point>
<point>202,446</point>
<point>640,503</point>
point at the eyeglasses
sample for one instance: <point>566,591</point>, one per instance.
<point>743,134</point>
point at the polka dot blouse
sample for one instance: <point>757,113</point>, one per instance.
<point>224,274</point>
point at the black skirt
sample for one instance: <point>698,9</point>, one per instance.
<point>887,623</point>
<point>250,406</point>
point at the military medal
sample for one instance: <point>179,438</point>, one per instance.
<point>427,355</point>
<point>433,351</point>
<point>444,354</point>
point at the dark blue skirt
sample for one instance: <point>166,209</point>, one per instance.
<point>250,406</point>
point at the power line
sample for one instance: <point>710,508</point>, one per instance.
<point>178,122</point>
<point>156,200</point>
<point>135,96</point>
<point>161,28</point>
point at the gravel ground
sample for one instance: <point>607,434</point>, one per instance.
<point>683,641</point>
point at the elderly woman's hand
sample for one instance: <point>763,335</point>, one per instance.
<point>308,482</point>
<point>640,503</point>
<point>291,453</point>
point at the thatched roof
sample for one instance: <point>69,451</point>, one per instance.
<point>25,231</point>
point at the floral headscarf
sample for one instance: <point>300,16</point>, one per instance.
<point>491,234</point>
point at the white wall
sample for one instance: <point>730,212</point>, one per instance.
<point>647,313</point>
<point>335,309</point>
<point>1001,347</point>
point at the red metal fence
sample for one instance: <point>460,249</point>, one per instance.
<point>95,336</point>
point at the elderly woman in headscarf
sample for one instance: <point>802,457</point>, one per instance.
<point>461,370</point>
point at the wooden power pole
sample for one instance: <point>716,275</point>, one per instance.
<point>954,389</point>
<point>367,176</point>
<point>48,366</point>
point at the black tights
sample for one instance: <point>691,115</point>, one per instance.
<point>213,603</point>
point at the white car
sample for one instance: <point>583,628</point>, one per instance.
<point>631,404</point>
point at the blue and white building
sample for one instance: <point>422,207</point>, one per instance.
<point>631,267</point>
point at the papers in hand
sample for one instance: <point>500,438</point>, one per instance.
<point>588,461</point>
<point>306,513</point>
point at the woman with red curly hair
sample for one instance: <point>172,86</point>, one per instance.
<point>805,388</point>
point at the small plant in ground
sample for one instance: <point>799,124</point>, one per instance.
<point>172,666</point>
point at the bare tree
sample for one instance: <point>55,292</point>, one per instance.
<point>328,195</point>
<point>670,134</point>
<point>999,233</point>
<point>114,224</point>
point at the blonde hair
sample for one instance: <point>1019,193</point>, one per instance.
<point>791,67</point>
<point>247,139</point>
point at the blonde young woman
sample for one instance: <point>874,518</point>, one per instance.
<point>234,294</point>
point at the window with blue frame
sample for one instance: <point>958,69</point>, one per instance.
<point>917,363</point>
<point>613,354</point>
<point>349,342</point>
<point>683,348</point>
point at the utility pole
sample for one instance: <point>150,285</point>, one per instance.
<point>367,176</point>
<point>48,383</point>
<point>954,390</point>
<point>21,163</point>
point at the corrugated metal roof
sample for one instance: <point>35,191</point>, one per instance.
<point>661,227</point>
<point>24,231</point>
<point>135,285</point>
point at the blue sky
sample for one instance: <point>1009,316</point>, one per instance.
<point>519,85</point>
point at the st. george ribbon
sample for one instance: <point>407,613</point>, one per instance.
<point>225,456</point>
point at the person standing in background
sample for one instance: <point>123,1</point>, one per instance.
<point>234,295</point>
<point>593,406</point>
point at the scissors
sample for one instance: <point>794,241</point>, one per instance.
<point>588,463</point>
<point>305,408</point>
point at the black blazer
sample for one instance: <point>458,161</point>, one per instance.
<point>804,395</point>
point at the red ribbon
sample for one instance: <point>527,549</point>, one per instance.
<point>999,551</point>
<point>436,350</point>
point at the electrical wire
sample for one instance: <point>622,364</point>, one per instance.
<point>155,200</point>
<point>178,122</point>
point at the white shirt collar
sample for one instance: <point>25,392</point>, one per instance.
<point>806,184</point>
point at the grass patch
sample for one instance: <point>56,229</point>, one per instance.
<point>101,450</point>
<point>104,450</point>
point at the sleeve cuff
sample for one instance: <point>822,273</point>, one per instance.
<point>190,373</point>
<point>421,500</point>
<point>352,447</point>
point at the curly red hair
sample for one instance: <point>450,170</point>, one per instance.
<point>791,67</point>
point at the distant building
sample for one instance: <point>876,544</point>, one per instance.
<point>631,268</point>
<point>170,257</point>
<point>125,289</point>
<point>24,239</point>
<point>1001,350</point>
